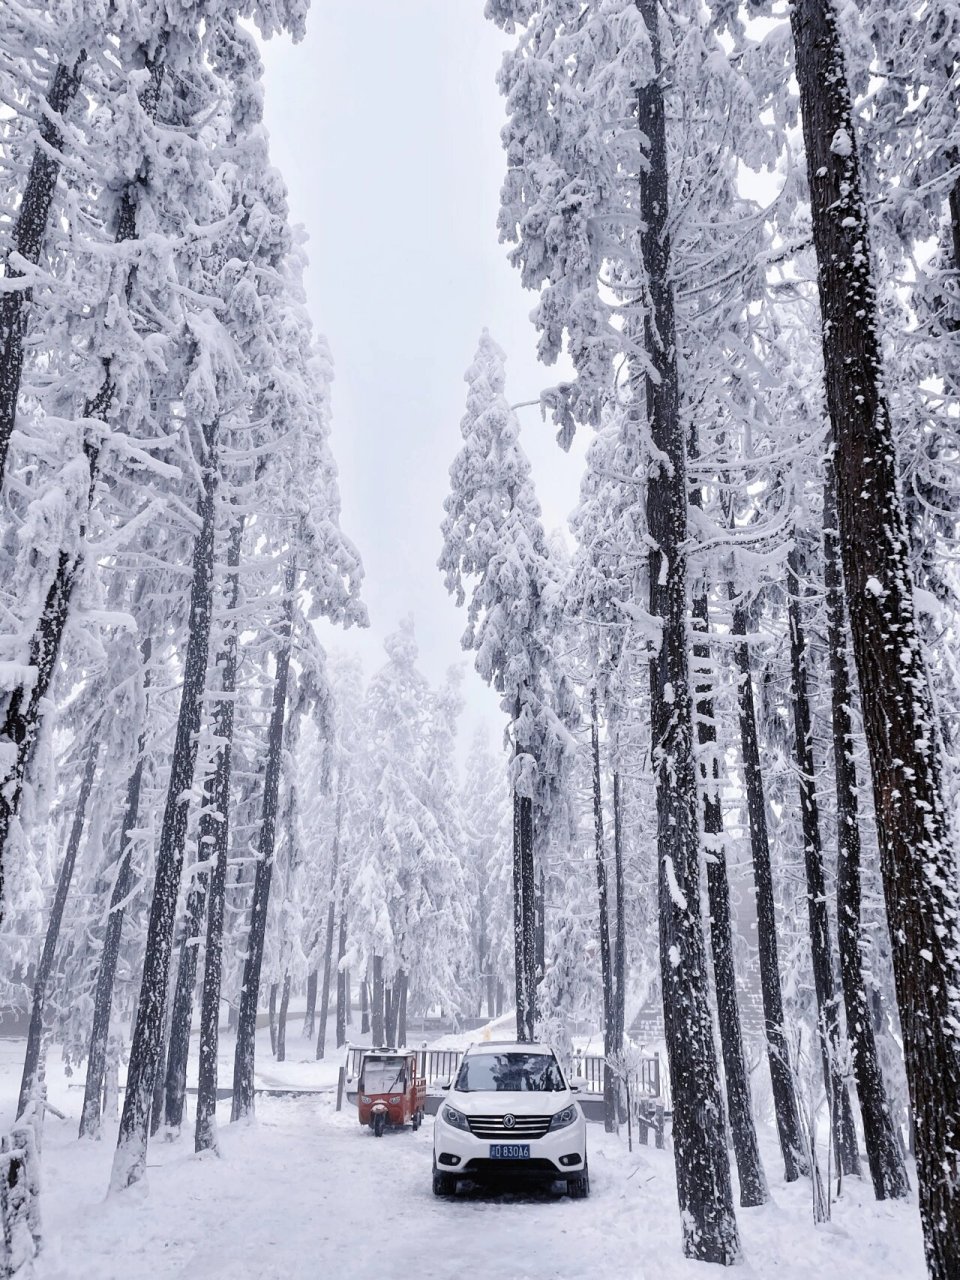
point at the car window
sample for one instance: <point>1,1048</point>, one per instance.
<point>509,1073</point>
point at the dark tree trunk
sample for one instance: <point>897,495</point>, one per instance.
<point>484,962</point>
<point>392,1002</point>
<point>753,1182</point>
<point>23,715</point>
<point>29,232</point>
<point>245,1053</point>
<point>541,926</point>
<point>785,1106</point>
<point>310,1017</point>
<point>156,1097</point>
<point>272,1016</point>
<point>620,947</point>
<point>402,984</point>
<point>282,1019</point>
<point>103,999</point>
<point>178,1052</point>
<point>883,1153</point>
<point>821,947</point>
<point>700,1152</point>
<point>41,980</point>
<point>328,944</point>
<point>215,831</point>
<point>130,1157</point>
<point>377,1011</point>
<point>501,996</point>
<point>364,1008</point>
<point>389,1016</point>
<point>343,988</point>
<point>606,961</point>
<point>916,852</point>
<point>524,924</point>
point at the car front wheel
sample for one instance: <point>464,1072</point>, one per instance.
<point>444,1184</point>
<point>578,1188</point>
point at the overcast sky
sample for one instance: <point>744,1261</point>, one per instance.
<point>385,123</point>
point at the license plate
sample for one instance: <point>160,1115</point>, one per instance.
<point>509,1151</point>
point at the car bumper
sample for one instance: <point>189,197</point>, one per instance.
<point>558,1155</point>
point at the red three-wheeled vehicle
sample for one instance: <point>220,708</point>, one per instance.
<point>389,1090</point>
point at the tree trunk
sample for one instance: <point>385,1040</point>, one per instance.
<point>828,1006</point>
<point>540,917</point>
<point>390,1015</point>
<point>23,715</point>
<point>883,1153</point>
<point>41,981</point>
<point>328,945</point>
<point>103,999</point>
<point>310,1017</point>
<point>27,240</point>
<point>606,964</point>
<point>282,1020</point>
<point>753,1182</point>
<point>343,989</point>
<point>130,1157</point>
<point>785,1105</point>
<point>402,984</point>
<point>215,833</point>
<point>524,925</point>
<point>179,1051</point>
<point>364,1008</point>
<point>620,948</point>
<point>377,1010</point>
<point>156,1097</point>
<point>272,1016</point>
<point>700,1153</point>
<point>245,1054</point>
<point>483,949</point>
<point>916,852</point>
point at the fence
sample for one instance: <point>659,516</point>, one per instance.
<point>643,1082</point>
<point>440,1065</point>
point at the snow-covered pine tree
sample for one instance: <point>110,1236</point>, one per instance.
<point>918,859</point>
<point>47,35</point>
<point>588,202</point>
<point>495,552</point>
<point>485,814</point>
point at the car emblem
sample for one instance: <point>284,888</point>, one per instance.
<point>509,1122</point>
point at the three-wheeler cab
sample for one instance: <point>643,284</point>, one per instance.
<point>389,1091</point>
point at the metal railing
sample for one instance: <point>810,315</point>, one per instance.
<point>439,1065</point>
<point>643,1082</point>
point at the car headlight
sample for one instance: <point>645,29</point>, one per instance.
<point>563,1118</point>
<point>455,1118</point>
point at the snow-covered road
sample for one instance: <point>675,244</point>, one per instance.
<point>304,1192</point>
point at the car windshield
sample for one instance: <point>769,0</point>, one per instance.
<point>383,1075</point>
<point>509,1073</point>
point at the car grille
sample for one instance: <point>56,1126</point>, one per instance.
<point>524,1127</point>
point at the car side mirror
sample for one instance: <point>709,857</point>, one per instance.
<point>574,1088</point>
<point>578,1083</point>
<point>445,1084</point>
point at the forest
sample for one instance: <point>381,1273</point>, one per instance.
<point>715,820</point>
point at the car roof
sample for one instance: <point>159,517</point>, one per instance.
<point>510,1046</point>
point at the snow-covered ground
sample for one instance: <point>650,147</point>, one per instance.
<point>304,1192</point>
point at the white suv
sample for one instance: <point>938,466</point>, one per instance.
<point>510,1115</point>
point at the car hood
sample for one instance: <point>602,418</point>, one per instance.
<point>518,1104</point>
